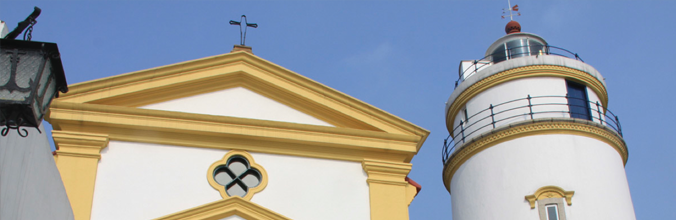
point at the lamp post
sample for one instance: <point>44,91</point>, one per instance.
<point>31,75</point>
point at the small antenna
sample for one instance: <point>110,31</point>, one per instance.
<point>510,8</point>
<point>242,37</point>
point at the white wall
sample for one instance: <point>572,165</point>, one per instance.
<point>237,102</point>
<point>512,90</point>
<point>493,183</point>
<point>149,180</point>
<point>30,184</point>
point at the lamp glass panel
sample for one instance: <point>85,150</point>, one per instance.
<point>5,68</point>
<point>27,68</point>
<point>46,74</point>
<point>6,95</point>
<point>49,94</point>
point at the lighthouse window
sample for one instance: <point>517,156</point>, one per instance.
<point>536,48</point>
<point>551,209</point>
<point>578,101</point>
<point>552,212</point>
<point>518,48</point>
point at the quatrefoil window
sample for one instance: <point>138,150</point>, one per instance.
<point>237,175</point>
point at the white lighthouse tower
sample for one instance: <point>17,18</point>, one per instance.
<point>531,137</point>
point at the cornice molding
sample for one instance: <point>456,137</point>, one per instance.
<point>74,154</point>
<point>196,130</point>
<point>385,172</point>
<point>524,72</point>
<point>79,144</point>
<point>532,127</point>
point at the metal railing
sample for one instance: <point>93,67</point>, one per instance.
<point>510,54</point>
<point>531,107</point>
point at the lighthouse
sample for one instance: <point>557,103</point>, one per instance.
<point>531,137</point>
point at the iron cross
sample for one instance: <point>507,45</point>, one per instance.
<point>242,37</point>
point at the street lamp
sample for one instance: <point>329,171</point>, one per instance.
<point>31,75</point>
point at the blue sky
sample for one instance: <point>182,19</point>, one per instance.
<point>400,56</point>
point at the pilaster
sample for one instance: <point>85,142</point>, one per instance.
<point>77,158</point>
<point>387,189</point>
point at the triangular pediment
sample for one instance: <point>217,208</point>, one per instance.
<point>238,69</point>
<point>233,208</point>
<point>171,105</point>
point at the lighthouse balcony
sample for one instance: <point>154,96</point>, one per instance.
<point>529,109</point>
<point>510,51</point>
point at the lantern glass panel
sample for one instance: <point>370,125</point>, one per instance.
<point>517,48</point>
<point>536,47</point>
<point>5,69</point>
<point>46,75</point>
<point>49,94</point>
<point>5,94</point>
<point>499,54</point>
<point>27,69</point>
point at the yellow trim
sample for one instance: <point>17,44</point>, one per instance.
<point>388,190</point>
<point>523,72</point>
<point>252,164</point>
<point>226,208</point>
<point>536,128</point>
<point>550,192</point>
<point>77,159</point>
<point>207,131</point>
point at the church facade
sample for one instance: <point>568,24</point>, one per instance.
<point>231,136</point>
